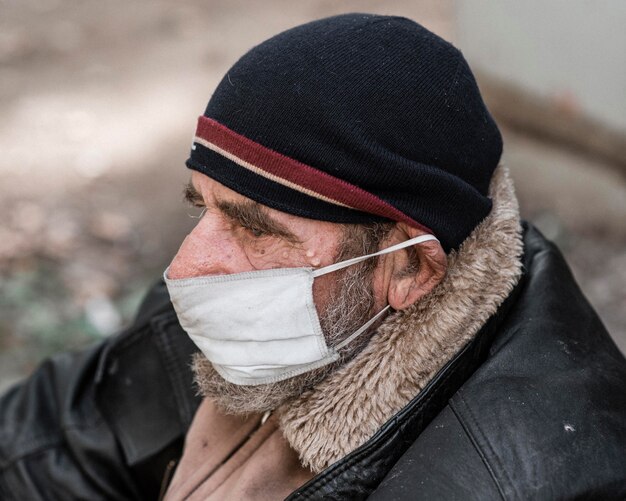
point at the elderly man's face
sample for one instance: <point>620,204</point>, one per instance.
<point>237,234</point>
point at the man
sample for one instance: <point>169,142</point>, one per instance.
<point>368,315</point>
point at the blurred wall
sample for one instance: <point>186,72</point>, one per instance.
<point>573,52</point>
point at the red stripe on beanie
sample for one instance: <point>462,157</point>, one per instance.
<point>298,173</point>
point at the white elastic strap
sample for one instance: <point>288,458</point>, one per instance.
<point>355,260</point>
<point>363,328</point>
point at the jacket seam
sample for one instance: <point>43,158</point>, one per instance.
<point>475,442</point>
<point>160,325</point>
<point>137,332</point>
<point>33,449</point>
<point>151,330</point>
<point>40,442</point>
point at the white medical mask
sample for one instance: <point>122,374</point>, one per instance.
<point>260,327</point>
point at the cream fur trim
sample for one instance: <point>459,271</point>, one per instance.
<point>345,410</point>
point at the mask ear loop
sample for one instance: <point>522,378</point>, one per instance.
<point>362,329</point>
<point>349,262</point>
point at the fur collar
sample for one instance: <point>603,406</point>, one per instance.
<point>345,410</point>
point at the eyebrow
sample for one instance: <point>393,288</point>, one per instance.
<point>251,215</point>
<point>248,214</point>
<point>191,195</point>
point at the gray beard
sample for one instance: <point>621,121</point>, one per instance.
<point>349,308</point>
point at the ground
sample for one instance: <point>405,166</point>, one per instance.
<point>99,101</point>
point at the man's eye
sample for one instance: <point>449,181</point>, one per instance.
<point>257,233</point>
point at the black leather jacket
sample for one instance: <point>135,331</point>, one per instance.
<point>533,408</point>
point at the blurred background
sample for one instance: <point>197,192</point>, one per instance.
<point>99,101</point>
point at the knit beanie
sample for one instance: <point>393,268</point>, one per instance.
<point>354,119</point>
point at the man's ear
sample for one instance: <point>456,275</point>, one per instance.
<point>409,283</point>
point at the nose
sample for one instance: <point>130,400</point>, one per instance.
<point>206,251</point>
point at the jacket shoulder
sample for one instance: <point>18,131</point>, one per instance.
<point>441,464</point>
<point>543,417</point>
<point>548,408</point>
<point>64,430</point>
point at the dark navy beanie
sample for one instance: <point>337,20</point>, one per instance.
<point>354,119</point>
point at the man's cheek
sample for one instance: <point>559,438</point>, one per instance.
<point>324,288</point>
<point>269,253</point>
